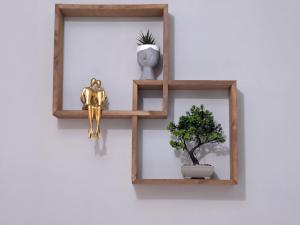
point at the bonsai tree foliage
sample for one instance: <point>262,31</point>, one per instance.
<point>146,39</point>
<point>195,129</point>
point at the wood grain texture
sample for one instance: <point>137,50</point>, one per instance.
<point>135,96</point>
<point>144,10</point>
<point>199,84</point>
<point>149,84</point>
<point>182,181</point>
<point>134,154</point>
<point>79,114</point>
<point>166,98</point>
<point>58,61</point>
<point>151,114</point>
<point>233,133</point>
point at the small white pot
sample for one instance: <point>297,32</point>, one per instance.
<point>197,171</point>
<point>144,47</point>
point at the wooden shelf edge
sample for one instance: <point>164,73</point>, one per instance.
<point>149,84</point>
<point>200,84</point>
<point>111,6</point>
<point>152,114</point>
<point>182,181</point>
<point>74,114</point>
<point>112,10</point>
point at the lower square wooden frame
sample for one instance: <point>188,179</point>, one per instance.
<point>229,85</point>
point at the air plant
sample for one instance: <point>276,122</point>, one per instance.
<point>146,39</point>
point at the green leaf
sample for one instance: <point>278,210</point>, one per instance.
<point>196,126</point>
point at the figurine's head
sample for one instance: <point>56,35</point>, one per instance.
<point>98,82</point>
<point>93,81</point>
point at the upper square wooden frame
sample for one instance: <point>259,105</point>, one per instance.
<point>76,10</point>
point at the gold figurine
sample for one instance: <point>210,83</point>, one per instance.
<point>93,99</point>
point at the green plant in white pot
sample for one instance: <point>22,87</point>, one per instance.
<point>147,55</point>
<point>193,130</point>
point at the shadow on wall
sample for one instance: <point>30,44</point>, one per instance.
<point>159,68</point>
<point>106,125</point>
<point>204,192</point>
<point>202,152</point>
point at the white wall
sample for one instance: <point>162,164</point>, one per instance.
<point>51,174</point>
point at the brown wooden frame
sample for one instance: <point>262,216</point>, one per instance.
<point>190,85</point>
<point>75,10</point>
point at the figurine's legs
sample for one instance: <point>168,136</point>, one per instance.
<point>98,118</point>
<point>91,116</point>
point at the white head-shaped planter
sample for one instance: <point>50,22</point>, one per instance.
<point>147,55</point>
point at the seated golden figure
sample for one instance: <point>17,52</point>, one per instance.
<point>93,99</point>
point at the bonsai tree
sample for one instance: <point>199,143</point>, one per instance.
<point>146,39</point>
<point>195,129</point>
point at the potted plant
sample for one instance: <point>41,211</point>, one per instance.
<point>193,130</point>
<point>147,55</point>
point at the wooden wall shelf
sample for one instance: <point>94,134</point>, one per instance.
<point>145,10</point>
<point>148,10</point>
<point>182,181</point>
<point>82,114</point>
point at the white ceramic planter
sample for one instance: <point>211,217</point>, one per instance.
<point>197,171</point>
<point>143,47</point>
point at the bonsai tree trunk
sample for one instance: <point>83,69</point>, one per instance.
<point>191,153</point>
<point>193,158</point>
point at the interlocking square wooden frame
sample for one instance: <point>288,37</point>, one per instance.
<point>189,85</point>
<point>147,10</point>
<point>74,10</point>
